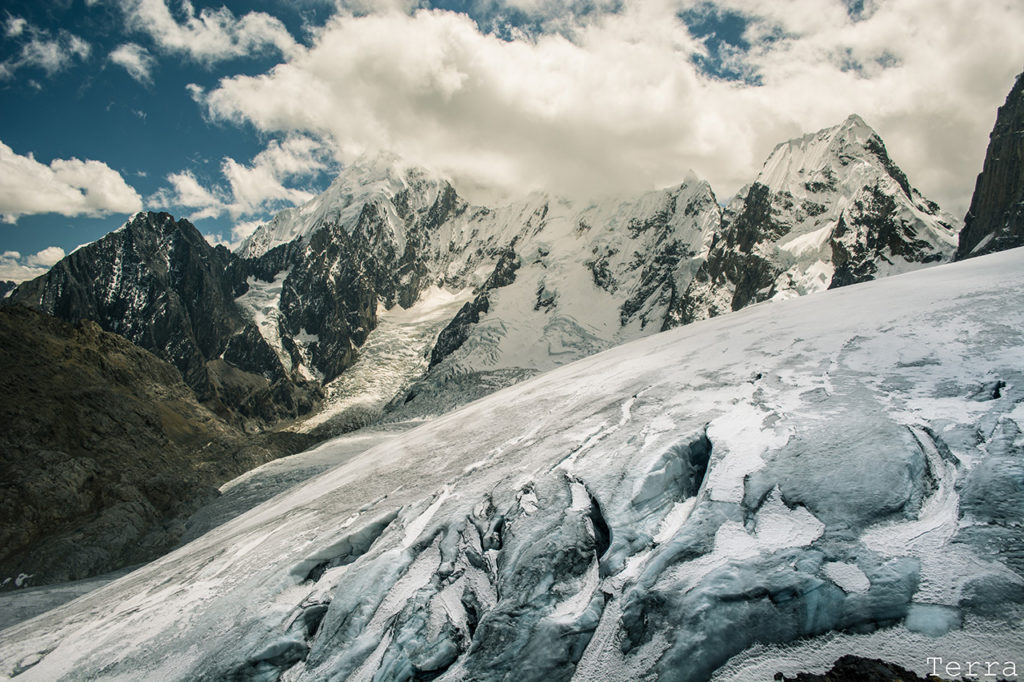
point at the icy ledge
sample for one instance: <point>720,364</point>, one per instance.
<point>760,492</point>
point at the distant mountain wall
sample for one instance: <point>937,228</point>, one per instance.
<point>995,221</point>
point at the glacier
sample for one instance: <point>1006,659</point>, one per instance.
<point>759,492</point>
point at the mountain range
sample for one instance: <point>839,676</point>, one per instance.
<point>692,473</point>
<point>261,333</point>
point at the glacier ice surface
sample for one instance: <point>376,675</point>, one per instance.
<point>760,492</point>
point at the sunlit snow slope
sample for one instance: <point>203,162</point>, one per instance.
<point>838,473</point>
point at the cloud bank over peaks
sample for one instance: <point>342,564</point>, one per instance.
<point>70,187</point>
<point>623,98</point>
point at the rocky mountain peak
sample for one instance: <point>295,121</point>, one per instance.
<point>995,220</point>
<point>827,209</point>
<point>380,178</point>
<point>850,154</point>
<point>157,282</point>
<point>827,149</point>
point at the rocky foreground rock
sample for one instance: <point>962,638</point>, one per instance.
<point>103,449</point>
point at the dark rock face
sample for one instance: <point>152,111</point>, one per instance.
<point>995,221</point>
<point>103,447</point>
<point>6,287</point>
<point>662,263</point>
<point>337,278</point>
<point>148,282</point>
<point>455,334</point>
<point>329,295</point>
<point>159,284</point>
<point>733,259</point>
<point>868,233</point>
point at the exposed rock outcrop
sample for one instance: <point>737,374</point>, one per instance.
<point>103,448</point>
<point>995,220</point>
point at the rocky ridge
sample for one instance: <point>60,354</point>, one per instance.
<point>995,221</point>
<point>827,210</point>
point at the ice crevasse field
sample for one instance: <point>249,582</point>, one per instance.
<point>761,492</point>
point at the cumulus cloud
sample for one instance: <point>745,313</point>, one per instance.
<point>264,184</point>
<point>239,231</point>
<point>17,268</point>
<point>618,100</point>
<point>41,49</point>
<point>70,187</point>
<point>48,257</point>
<point>136,60</point>
<point>210,35</point>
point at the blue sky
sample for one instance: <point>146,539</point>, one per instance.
<point>92,108</point>
<point>225,112</point>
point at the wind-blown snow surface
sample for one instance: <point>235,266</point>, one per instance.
<point>839,472</point>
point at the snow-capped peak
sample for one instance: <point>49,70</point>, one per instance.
<point>829,148</point>
<point>367,178</point>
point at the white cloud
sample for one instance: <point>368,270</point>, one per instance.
<point>70,187</point>
<point>209,36</point>
<point>14,27</point>
<point>615,101</point>
<point>252,189</point>
<point>15,268</point>
<point>186,191</point>
<point>136,60</point>
<point>239,231</point>
<point>48,257</point>
<point>43,50</point>
<point>262,182</point>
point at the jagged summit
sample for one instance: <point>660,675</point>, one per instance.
<point>827,209</point>
<point>384,177</point>
<point>815,152</point>
<point>849,155</point>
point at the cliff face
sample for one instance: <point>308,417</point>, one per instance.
<point>103,446</point>
<point>995,220</point>
<point>158,283</point>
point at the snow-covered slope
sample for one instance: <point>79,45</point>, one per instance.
<point>759,492</point>
<point>827,209</point>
